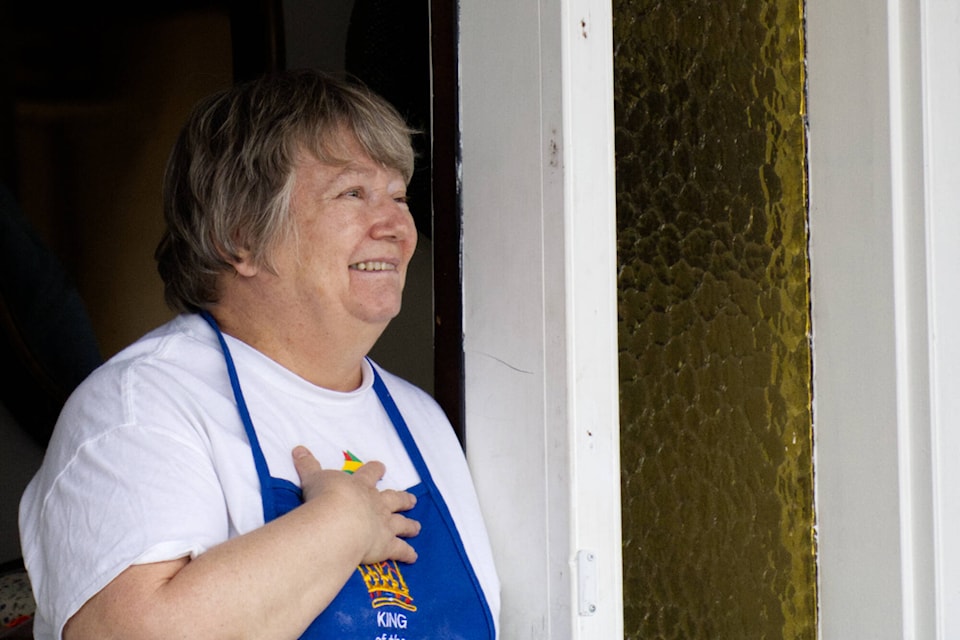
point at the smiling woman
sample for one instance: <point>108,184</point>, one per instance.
<point>326,278</point>
<point>284,199</point>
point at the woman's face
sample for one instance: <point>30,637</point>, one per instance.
<point>347,262</point>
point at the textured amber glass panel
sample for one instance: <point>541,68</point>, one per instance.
<point>717,477</point>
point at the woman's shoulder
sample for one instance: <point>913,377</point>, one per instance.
<point>180,343</point>
<point>182,332</point>
<point>165,369</point>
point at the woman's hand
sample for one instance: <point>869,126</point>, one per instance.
<point>288,570</point>
<point>377,514</point>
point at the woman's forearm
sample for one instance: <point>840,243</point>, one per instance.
<point>269,583</point>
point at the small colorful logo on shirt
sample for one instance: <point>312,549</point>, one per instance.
<point>350,462</point>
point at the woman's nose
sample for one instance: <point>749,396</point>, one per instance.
<point>393,219</point>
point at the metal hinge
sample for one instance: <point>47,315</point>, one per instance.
<point>586,582</point>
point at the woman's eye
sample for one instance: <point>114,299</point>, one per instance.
<point>351,193</point>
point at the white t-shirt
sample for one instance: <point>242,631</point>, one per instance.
<point>150,461</point>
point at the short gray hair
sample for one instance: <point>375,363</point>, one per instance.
<point>230,174</point>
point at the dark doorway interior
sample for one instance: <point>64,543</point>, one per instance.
<point>90,100</point>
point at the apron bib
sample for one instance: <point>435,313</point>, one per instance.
<point>438,597</point>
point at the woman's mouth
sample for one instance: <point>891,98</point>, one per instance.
<point>373,265</point>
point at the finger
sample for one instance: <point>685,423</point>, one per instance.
<point>404,552</point>
<point>397,549</point>
<point>304,462</point>
<point>399,500</point>
<point>405,527</point>
<point>372,472</point>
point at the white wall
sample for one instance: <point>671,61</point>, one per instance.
<point>884,253</point>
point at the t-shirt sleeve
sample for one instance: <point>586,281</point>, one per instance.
<point>133,495</point>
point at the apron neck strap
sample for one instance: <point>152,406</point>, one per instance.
<point>263,471</point>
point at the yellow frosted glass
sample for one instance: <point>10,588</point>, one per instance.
<point>716,444</point>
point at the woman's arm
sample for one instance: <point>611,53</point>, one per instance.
<point>269,583</point>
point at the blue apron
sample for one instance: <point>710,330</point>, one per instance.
<point>437,597</point>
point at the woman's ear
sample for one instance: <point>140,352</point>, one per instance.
<point>244,264</point>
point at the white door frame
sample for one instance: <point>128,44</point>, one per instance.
<point>941,138</point>
<point>884,91</point>
<point>540,332</point>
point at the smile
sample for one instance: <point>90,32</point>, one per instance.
<point>373,266</point>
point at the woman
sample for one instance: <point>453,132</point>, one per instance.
<point>245,470</point>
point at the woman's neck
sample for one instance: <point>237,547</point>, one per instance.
<point>328,359</point>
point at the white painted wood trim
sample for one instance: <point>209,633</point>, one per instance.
<point>884,91</point>
<point>911,309</point>
<point>591,307</point>
<point>940,26</point>
<point>539,261</point>
<point>852,291</point>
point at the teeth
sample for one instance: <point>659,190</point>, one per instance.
<point>373,266</point>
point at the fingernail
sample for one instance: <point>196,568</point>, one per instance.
<point>300,451</point>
